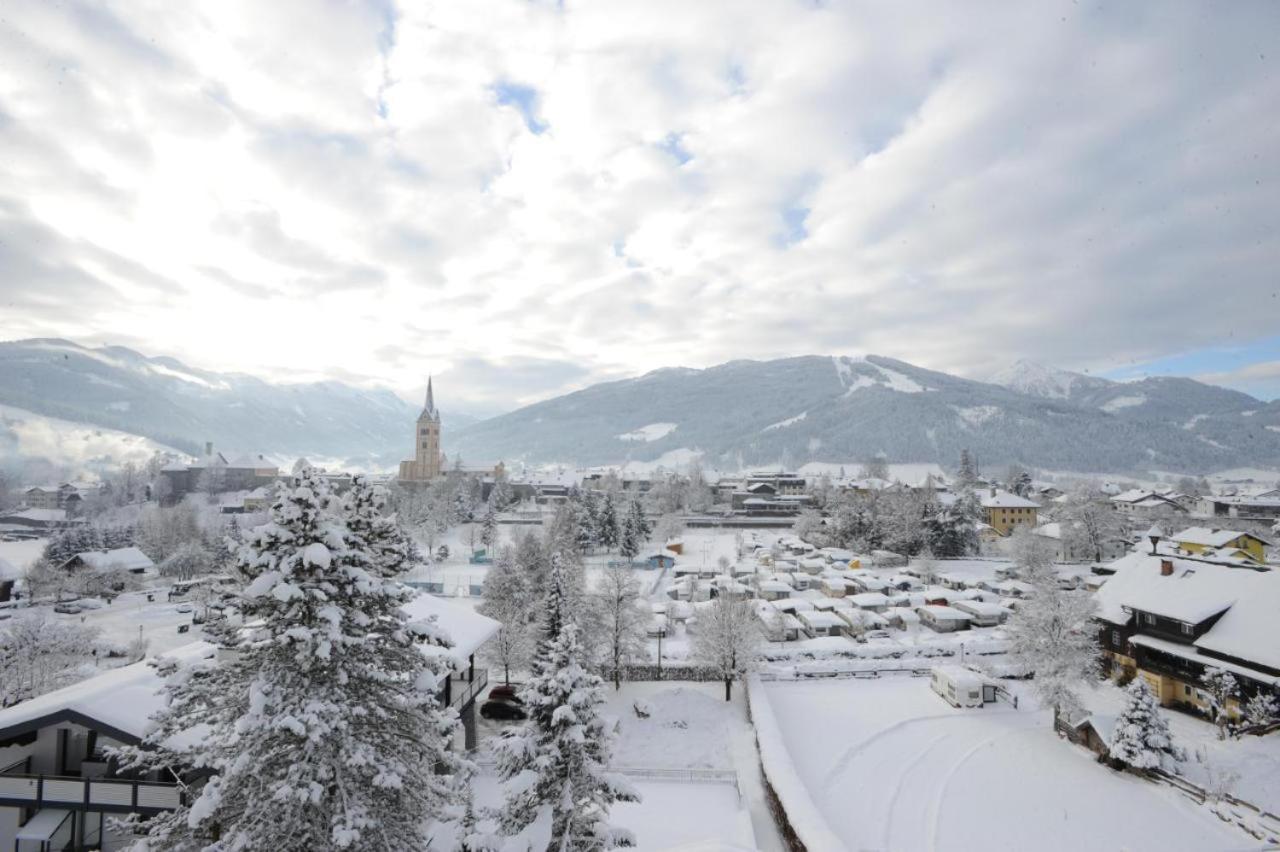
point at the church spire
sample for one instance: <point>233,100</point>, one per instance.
<point>430,407</point>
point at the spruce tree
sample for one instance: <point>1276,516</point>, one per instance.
<point>324,729</point>
<point>1141,737</point>
<point>489,529</point>
<point>557,761</point>
<point>608,530</point>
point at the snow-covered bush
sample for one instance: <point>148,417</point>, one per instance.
<point>1221,688</point>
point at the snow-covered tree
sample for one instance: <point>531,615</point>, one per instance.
<point>507,593</point>
<point>967,472</point>
<point>557,761</point>
<point>1090,523</point>
<point>1221,688</point>
<point>1051,635</point>
<point>324,725</point>
<point>728,638</point>
<point>1262,708</point>
<point>617,599</point>
<point>1019,481</point>
<point>489,529</point>
<point>608,529</point>
<point>189,560</point>
<point>876,467</point>
<point>1141,739</point>
<point>39,654</point>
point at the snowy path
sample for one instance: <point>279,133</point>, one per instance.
<point>893,768</point>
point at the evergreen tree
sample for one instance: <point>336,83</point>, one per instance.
<point>1141,738</point>
<point>966,473</point>
<point>557,761</point>
<point>608,530</point>
<point>489,529</point>
<point>591,519</point>
<point>324,726</point>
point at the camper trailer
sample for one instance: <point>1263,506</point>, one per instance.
<point>961,687</point>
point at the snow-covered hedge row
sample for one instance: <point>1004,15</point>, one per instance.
<point>806,823</point>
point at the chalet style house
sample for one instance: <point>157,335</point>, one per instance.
<point>1169,618</point>
<point>58,787</point>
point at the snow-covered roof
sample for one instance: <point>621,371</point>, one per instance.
<point>943,613</point>
<point>1051,530</point>
<point>467,628</point>
<point>126,558</point>
<point>980,608</point>
<point>822,620</point>
<point>869,599</point>
<point>1188,652</point>
<point>1210,537</point>
<point>122,699</point>
<point>42,515</point>
<point>1104,724</point>
<point>8,571</point>
<point>1133,495</point>
<point>1005,500</point>
<point>774,586</point>
<point>963,678</point>
<point>1197,590</point>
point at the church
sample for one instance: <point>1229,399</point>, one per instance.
<point>427,462</point>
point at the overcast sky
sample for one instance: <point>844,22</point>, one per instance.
<point>524,197</point>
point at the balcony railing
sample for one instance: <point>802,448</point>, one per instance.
<point>97,794</point>
<point>463,691</point>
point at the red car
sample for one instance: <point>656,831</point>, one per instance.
<point>505,692</point>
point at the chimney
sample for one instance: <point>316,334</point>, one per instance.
<point>1166,567</point>
<point>208,448</point>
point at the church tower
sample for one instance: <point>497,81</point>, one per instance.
<point>426,463</point>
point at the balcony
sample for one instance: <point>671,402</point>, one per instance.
<point>462,692</point>
<point>93,794</point>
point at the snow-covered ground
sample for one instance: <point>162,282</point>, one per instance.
<point>21,554</point>
<point>892,767</point>
<point>1255,760</point>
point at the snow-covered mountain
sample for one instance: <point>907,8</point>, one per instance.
<point>175,405</point>
<point>839,409</point>
<point>1035,379</point>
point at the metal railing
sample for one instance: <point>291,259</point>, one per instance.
<point>486,764</point>
<point>99,794</point>
<point>463,691</point>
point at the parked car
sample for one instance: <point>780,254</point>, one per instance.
<point>185,607</point>
<point>68,608</point>
<point>505,692</point>
<point>506,711</point>
<point>90,603</point>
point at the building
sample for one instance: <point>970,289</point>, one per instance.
<point>129,559</point>
<point>778,484</point>
<point>1069,548</point>
<point>1171,618</point>
<point>943,619</point>
<point>1140,502</point>
<point>1004,511</point>
<point>214,473</point>
<point>1264,506</point>
<point>427,462</point>
<point>34,523</point>
<point>1211,541</point>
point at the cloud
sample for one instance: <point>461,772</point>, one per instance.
<point>526,197</point>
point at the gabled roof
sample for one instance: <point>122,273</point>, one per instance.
<point>128,558</point>
<point>1247,598</point>
<point>1005,500</point>
<point>119,702</point>
<point>1209,537</point>
<point>467,628</point>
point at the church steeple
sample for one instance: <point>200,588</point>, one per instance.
<point>429,409</point>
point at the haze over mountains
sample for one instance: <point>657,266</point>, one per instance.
<point>839,409</point>
<point>737,414</point>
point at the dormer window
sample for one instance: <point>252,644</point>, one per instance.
<point>1188,629</point>
<point>1149,619</point>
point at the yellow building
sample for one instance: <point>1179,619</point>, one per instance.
<point>1005,511</point>
<point>1231,543</point>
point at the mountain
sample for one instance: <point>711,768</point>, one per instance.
<point>842,409</point>
<point>170,403</point>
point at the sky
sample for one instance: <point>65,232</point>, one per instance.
<point>523,198</point>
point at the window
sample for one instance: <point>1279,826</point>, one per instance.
<point>1186,690</point>
<point>1148,618</point>
<point>1188,629</point>
<point>1115,639</point>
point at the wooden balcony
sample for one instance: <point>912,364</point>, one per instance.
<point>119,795</point>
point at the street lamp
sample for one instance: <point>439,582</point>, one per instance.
<point>1154,535</point>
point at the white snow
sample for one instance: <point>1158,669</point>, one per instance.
<point>1124,402</point>
<point>1195,418</point>
<point>782,424</point>
<point>900,383</point>
<point>976,415</point>
<point>888,765</point>
<point>1036,379</point>
<point>651,432</point>
<point>160,369</point>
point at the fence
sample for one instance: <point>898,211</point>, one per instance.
<point>487,764</point>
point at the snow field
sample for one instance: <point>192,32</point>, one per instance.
<point>890,766</point>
